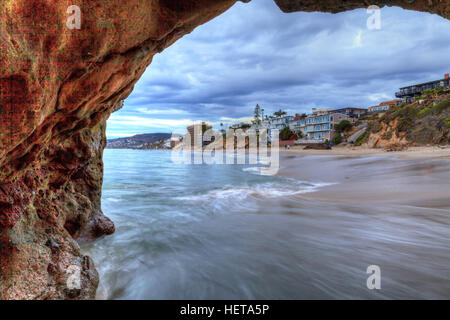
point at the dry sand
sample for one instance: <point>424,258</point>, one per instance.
<point>410,153</point>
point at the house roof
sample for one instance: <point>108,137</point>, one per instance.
<point>388,103</point>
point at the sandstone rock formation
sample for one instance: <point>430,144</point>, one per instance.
<point>441,7</point>
<point>58,87</point>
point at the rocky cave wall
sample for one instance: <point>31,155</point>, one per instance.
<point>57,89</point>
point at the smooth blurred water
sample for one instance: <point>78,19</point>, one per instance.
<point>225,232</point>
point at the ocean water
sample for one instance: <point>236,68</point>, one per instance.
<point>226,232</point>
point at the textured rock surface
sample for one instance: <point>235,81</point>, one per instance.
<point>441,7</point>
<point>420,123</point>
<point>58,87</point>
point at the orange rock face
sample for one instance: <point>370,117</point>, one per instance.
<point>58,86</point>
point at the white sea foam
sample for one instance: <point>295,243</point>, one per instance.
<point>262,190</point>
<point>263,171</point>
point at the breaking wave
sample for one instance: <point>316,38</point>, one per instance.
<point>260,190</point>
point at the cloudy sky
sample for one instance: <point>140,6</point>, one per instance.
<point>254,53</point>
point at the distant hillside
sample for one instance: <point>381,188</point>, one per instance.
<point>140,141</point>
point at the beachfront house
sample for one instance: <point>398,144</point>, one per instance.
<point>278,123</point>
<point>298,124</point>
<point>351,112</point>
<point>385,106</point>
<point>408,94</point>
<point>319,126</point>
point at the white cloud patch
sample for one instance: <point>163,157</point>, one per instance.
<point>148,122</point>
<point>242,119</point>
<point>121,134</point>
<point>161,111</point>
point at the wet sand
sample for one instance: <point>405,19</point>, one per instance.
<point>408,176</point>
<point>384,210</point>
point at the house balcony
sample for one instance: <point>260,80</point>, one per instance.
<point>319,121</point>
<point>321,129</point>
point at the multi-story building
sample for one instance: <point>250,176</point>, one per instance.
<point>408,94</point>
<point>319,126</point>
<point>298,124</point>
<point>278,123</point>
<point>351,112</point>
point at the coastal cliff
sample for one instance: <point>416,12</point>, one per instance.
<point>58,87</point>
<point>424,122</point>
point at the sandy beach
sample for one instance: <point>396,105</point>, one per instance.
<point>420,173</point>
<point>410,153</point>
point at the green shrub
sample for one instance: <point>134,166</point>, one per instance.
<point>407,111</point>
<point>436,108</point>
<point>441,106</point>
<point>362,138</point>
<point>424,112</point>
<point>429,92</point>
<point>447,122</point>
<point>286,134</point>
<point>406,117</point>
<point>439,90</point>
<point>343,126</point>
<point>337,139</point>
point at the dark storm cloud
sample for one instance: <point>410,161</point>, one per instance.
<point>256,54</point>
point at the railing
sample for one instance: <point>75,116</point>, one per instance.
<point>327,128</point>
<point>415,90</point>
<point>319,121</point>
